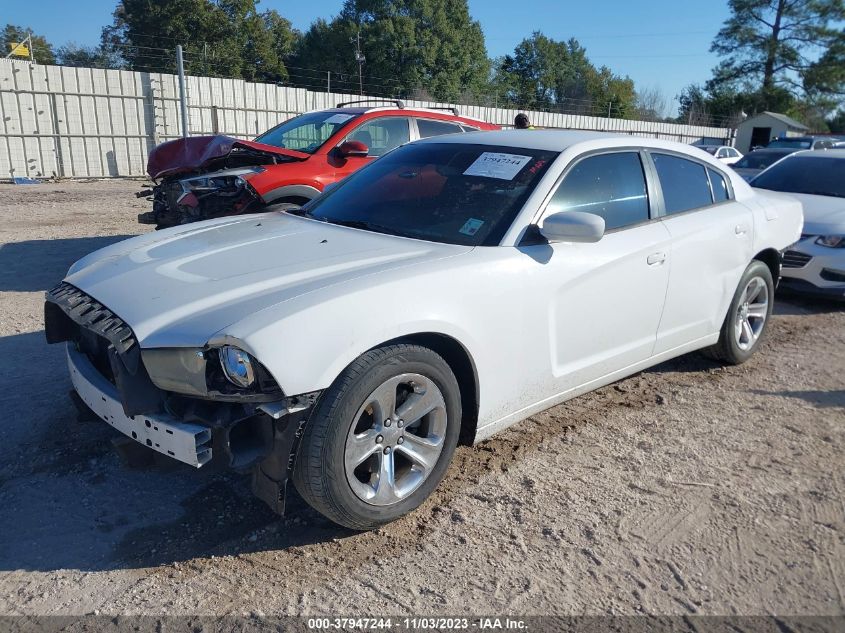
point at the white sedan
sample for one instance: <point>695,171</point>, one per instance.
<point>816,263</point>
<point>448,290</point>
<point>724,153</point>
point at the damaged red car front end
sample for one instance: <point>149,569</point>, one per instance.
<point>202,177</point>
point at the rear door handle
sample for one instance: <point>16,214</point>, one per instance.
<point>740,229</point>
<point>656,258</point>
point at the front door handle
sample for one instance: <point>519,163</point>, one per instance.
<point>741,229</point>
<point>656,258</point>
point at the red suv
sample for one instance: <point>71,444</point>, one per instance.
<point>204,177</point>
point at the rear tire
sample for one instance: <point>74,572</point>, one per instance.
<point>381,437</point>
<point>747,318</point>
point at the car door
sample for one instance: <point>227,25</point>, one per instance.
<point>711,247</point>
<point>605,298</point>
<point>380,135</point>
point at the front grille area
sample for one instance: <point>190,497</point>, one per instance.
<point>795,259</point>
<point>106,340</point>
<point>72,315</point>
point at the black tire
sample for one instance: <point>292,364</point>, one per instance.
<point>727,349</point>
<point>320,473</point>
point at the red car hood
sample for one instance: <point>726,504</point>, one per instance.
<point>195,152</point>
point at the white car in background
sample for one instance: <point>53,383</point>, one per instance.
<point>448,290</point>
<point>815,264</point>
<point>723,153</point>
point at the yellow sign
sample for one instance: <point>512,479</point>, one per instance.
<point>19,48</point>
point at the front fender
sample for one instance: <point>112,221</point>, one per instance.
<point>290,191</point>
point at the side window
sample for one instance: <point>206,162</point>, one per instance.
<point>469,128</point>
<point>684,183</point>
<point>723,153</point>
<point>382,135</point>
<point>733,153</point>
<point>717,183</point>
<point>430,127</point>
<point>610,185</point>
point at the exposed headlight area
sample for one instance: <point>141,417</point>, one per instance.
<point>221,373</point>
<point>237,366</point>
<point>831,241</point>
<point>229,182</point>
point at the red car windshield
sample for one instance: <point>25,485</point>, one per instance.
<point>306,132</point>
<point>455,193</point>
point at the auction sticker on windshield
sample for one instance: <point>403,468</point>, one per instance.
<point>497,165</point>
<point>471,226</point>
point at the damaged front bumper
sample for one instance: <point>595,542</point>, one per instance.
<point>110,377</point>
<point>188,443</point>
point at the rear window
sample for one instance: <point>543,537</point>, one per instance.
<point>684,183</point>
<point>787,143</point>
<point>822,176</point>
<point>429,127</point>
<point>758,160</point>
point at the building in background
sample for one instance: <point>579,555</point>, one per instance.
<point>761,128</point>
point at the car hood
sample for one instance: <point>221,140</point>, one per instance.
<point>197,152</point>
<point>823,215</point>
<point>181,286</point>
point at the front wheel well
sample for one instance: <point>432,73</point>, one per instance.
<point>771,258</point>
<point>460,361</point>
<point>297,200</point>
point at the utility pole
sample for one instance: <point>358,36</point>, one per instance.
<point>183,95</point>
<point>359,57</point>
<point>328,81</point>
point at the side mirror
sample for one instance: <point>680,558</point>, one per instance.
<point>573,226</point>
<point>353,148</point>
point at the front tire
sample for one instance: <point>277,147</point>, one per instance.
<point>747,318</point>
<point>381,437</point>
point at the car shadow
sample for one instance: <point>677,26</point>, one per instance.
<point>69,501</point>
<point>40,264</point>
<point>793,304</point>
<point>820,399</point>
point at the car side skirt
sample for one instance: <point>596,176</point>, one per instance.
<point>491,429</point>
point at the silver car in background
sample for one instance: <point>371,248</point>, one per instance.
<point>816,263</point>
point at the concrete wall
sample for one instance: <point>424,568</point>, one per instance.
<point>65,122</point>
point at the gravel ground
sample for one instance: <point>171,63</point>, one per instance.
<point>686,489</point>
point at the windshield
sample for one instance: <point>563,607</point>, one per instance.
<point>307,132</point>
<point>791,143</point>
<point>443,192</point>
<point>758,160</point>
<point>806,174</point>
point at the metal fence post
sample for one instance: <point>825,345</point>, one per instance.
<point>183,96</point>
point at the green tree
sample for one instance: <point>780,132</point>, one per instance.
<point>543,73</point>
<point>42,50</point>
<point>228,38</point>
<point>409,45</point>
<point>836,123</point>
<point>771,43</point>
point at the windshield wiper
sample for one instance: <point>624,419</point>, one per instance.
<point>365,225</point>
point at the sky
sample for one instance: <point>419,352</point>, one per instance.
<point>658,43</point>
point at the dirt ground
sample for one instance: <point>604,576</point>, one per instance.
<point>686,489</point>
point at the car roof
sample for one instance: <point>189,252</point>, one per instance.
<point>554,140</point>
<point>827,153</point>
<point>405,111</point>
<point>774,150</point>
